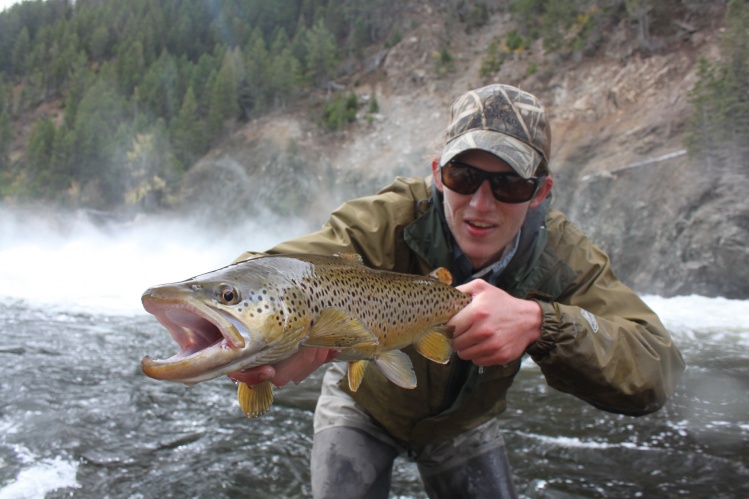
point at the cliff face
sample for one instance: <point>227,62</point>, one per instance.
<point>670,226</point>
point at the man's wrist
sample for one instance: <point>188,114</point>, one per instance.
<point>536,316</point>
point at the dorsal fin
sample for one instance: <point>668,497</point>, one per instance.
<point>442,275</point>
<point>354,258</point>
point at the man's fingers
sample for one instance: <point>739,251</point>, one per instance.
<point>460,323</point>
<point>255,375</point>
<point>292,367</point>
<point>295,368</point>
<point>332,354</point>
<point>320,357</point>
<point>300,365</point>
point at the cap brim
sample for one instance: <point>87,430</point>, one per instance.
<point>520,156</point>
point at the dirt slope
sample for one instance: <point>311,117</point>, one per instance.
<point>618,124</point>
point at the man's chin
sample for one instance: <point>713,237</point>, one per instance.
<point>480,253</point>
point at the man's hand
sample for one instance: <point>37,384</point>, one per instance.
<point>295,368</point>
<point>495,328</point>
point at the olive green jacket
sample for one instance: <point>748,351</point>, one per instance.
<point>599,341</point>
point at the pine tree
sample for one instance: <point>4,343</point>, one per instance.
<point>257,85</point>
<point>62,57</point>
<point>224,105</point>
<point>21,52</point>
<point>188,131</point>
<point>321,53</point>
<point>130,66</point>
<point>299,44</point>
<point>285,77</point>
<point>39,167</point>
<point>10,27</point>
<point>279,43</point>
<point>201,81</point>
<point>6,139</point>
<point>160,86</point>
<point>98,118</point>
<point>735,106</point>
<point>701,126</point>
<point>100,43</point>
<point>719,128</point>
<point>640,11</point>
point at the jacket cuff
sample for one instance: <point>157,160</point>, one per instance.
<point>541,348</point>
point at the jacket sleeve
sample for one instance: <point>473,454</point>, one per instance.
<point>600,341</point>
<point>371,226</point>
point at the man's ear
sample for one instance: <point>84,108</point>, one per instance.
<point>543,191</point>
<point>436,175</point>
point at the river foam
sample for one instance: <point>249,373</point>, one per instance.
<point>77,266</point>
<point>39,476</point>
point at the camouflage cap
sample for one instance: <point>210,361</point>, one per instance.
<point>501,120</point>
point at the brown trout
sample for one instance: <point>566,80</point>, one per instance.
<point>263,310</point>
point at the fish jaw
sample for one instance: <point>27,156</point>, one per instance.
<point>211,344</point>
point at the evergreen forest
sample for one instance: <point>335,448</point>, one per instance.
<point>147,87</point>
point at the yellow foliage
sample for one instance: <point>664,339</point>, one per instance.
<point>141,164</point>
<point>142,189</point>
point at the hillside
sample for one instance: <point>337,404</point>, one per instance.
<point>671,226</point>
<point>232,111</point>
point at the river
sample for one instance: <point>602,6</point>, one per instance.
<point>79,419</point>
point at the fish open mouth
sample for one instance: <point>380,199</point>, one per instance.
<point>207,342</point>
<point>191,331</point>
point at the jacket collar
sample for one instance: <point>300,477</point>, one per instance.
<point>429,237</point>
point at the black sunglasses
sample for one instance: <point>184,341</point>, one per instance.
<point>506,187</point>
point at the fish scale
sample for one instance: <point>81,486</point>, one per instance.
<point>373,287</point>
<point>263,310</point>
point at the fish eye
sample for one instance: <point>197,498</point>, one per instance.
<point>228,295</point>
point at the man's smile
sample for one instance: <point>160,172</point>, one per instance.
<point>479,228</point>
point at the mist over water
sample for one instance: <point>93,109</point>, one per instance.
<point>74,263</point>
<point>70,262</point>
<point>77,418</point>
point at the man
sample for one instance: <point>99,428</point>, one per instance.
<point>538,287</point>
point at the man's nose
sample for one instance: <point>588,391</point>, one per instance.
<point>483,199</point>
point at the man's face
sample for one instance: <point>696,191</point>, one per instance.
<point>481,225</point>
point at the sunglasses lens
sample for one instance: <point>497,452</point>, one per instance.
<point>460,178</point>
<point>507,188</point>
<point>513,189</point>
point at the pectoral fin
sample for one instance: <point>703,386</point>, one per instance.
<point>435,345</point>
<point>397,367</point>
<point>255,401</point>
<point>336,328</point>
<point>356,373</point>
